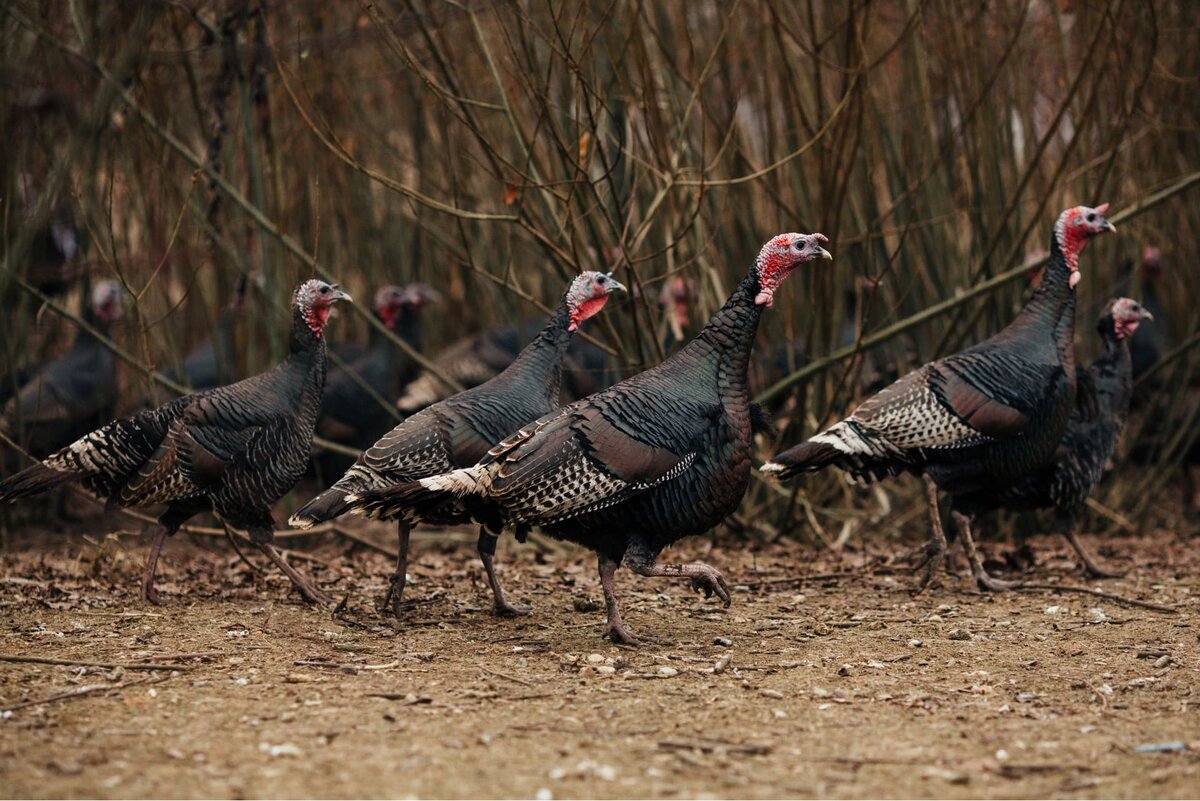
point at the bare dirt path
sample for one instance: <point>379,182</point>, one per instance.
<point>842,687</point>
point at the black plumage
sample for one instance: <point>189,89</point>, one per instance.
<point>629,470</point>
<point>233,450</point>
<point>1089,441</point>
<point>351,409</point>
<point>71,395</point>
<point>459,430</point>
<point>976,420</point>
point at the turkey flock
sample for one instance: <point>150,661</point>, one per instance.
<point>625,470</point>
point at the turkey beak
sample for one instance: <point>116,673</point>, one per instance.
<point>614,285</point>
<point>824,254</point>
<point>340,295</point>
<point>1110,227</point>
<point>1145,315</point>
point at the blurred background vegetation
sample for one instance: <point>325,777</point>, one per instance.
<point>492,150</point>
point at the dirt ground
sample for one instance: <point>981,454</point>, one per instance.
<point>826,677</point>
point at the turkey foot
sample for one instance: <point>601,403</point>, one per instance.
<point>395,593</point>
<point>149,594</point>
<point>1089,566</point>
<point>704,577</point>
<point>983,580</point>
<point>935,549</point>
<point>487,552</point>
<point>307,589</point>
<point>615,629</point>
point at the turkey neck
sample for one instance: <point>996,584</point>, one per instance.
<point>729,336</point>
<point>1050,313</point>
<point>1113,371</point>
<point>540,363</point>
<point>306,353</point>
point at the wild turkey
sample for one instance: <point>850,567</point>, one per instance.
<point>213,362</point>
<point>627,471</point>
<point>349,413</point>
<point>459,430</point>
<point>979,419</point>
<point>472,360</point>
<point>233,450</point>
<point>54,262</point>
<point>76,392</point>
<point>1080,460</point>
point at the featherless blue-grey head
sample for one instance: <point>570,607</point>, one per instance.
<point>779,257</point>
<point>588,294</point>
<point>314,301</point>
<point>1074,228</point>
<point>107,301</point>
<point>1126,314</point>
<point>388,303</point>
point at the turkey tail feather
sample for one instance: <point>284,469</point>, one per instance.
<point>329,504</point>
<point>33,480</point>
<point>411,501</point>
<point>807,457</point>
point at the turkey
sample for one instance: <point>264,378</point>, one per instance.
<point>1079,462</point>
<point>350,414</point>
<point>630,470</point>
<point>459,431</point>
<point>213,362</point>
<point>473,360</point>
<point>76,392</point>
<point>979,419</point>
<point>233,450</point>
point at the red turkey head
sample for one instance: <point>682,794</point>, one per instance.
<point>388,303</point>
<point>1127,314</point>
<point>107,304</point>
<point>1074,228</point>
<point>1151,263</point>
<point>587,295</point>
<point>779,257</point>
<point>676,300</point>
<point>314,301</point>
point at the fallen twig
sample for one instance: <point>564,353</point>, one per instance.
<point>498,674</point>
<point>1117,599</point>
<point>45,660</point>
<point>81,692</point>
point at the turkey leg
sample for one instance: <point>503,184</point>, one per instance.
<point>307,589</point>
<point>985,581</point>
<point>487,552</point>
<point>934,550</point>
<point>704,577</point>
<point>614,629</point>
<point>1066,526</point>
<point>149,594</point>
<point>395,593</point>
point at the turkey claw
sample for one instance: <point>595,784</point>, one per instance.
<point>988,583</point>
<point>711,581</point>
<point>150,595</point>
<point>618,634</point>
<point>507,609</point>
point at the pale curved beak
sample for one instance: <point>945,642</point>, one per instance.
<point>1109,226</point>
<point>614,285</point>
<point>825,254</point>
<point>1145,315</point>
<point>340,295</point>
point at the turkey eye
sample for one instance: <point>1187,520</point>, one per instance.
<point>1091,217</point>
<point>324,290</point>
<point>601,280</point>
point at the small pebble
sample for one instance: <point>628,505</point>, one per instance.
<point>959,634</point>
<point>844,670</point>
<point>605,670</point>
<point>667,672</point>
<point>821,630</point>
<point>721,664</point>
<point>771,694</point>
<point>1162,661</point>
<point>724,642</point>
<point>595,659</point>
<point>915,643</point>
